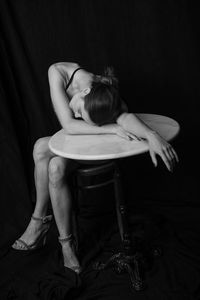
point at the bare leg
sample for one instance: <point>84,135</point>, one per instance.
<point>50,181</point>
<point>61,201</point>
<point>42,156</point>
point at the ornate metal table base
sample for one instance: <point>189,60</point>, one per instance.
<point>134,265</point>
<point>121,263</point>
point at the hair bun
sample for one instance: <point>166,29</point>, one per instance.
<point>108,77</point>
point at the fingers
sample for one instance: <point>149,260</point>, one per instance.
<point>166,161</point>
<point>128,135</point>
<point>175,154</point>
<point>133,136</point>
<point>167,154</point>
<point>123,135</point>
<point>153,157</point>
<point>170,157</point>
<point>159,146</point>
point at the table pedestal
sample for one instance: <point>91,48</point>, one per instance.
<point>130,259</point>
<point>124,260</point>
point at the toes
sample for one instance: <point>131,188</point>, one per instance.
<point>19,245</point>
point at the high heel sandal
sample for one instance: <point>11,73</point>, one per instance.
<point>70,238</point>
<point>40,241</point>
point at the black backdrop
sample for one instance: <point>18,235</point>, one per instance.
<point>154,48</point>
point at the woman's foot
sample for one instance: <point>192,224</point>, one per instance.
<point>35,234</point>
<point>69,256</point>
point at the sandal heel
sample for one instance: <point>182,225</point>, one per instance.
<point>40,241</point>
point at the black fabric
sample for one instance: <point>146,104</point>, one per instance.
<point>154,49</point>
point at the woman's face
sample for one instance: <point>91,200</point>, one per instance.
<point>77,106</point>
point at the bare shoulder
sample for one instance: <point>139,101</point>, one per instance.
<point>65,68</point>
<point>70,66</point>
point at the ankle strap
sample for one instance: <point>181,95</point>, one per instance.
<point>44,220</point>
<point>68,238</point>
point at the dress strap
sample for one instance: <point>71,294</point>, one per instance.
<point>71,78</point>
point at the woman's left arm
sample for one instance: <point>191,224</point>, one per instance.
<point>157,145</point>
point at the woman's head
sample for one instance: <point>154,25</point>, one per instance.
<point>101,101</point>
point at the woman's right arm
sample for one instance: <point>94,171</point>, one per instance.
<point>60,101</point>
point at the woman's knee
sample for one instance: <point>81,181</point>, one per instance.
<point>57,170</point>
<point>41,149</point>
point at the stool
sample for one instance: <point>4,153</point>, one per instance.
<point>108,174</point>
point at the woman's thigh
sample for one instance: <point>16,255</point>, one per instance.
<point>57,164</point>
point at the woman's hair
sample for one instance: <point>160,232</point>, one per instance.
<point>103,103</point>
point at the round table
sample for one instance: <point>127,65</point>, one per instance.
<point>110,146</point>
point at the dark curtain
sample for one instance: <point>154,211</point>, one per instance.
<point>154,48</point>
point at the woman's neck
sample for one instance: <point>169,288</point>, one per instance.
<point>81,81</point>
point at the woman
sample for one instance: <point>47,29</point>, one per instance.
<point>84,104</point>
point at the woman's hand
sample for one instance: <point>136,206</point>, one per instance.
<point>157,145</point>
<point>118,130</point>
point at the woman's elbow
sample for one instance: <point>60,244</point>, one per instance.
<point>121,118</point>
<point>68,128</point>
<point>51,70</point>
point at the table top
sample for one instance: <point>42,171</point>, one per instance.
<point>110,146</point>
